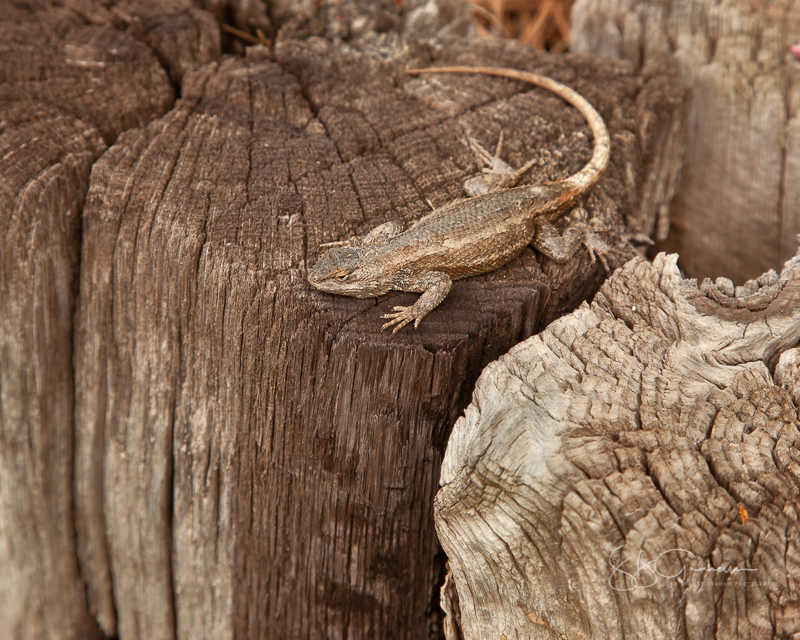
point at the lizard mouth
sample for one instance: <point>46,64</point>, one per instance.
<point>314,278</point>
<point>322,280</point>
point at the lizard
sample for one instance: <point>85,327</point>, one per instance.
<point>469,236</point>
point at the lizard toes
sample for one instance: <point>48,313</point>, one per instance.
<point>401,318</point>
<point>398,322</point>
<point>400,312</point>
<point>401,325</point>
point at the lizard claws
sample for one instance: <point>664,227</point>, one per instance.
<point>599,249</point>
<point>403,316</point>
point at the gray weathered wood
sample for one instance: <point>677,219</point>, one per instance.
<point>737,210</point>
<point>266,459</point>
<point>633,471</point>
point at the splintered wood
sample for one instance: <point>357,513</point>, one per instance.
<point>633,470</point>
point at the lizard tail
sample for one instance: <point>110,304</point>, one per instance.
<point>580,183</point>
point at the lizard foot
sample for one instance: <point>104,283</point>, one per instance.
<point>599,248</point>
<point>434,286</point>
<point>401,318</point>
<point>497,174</point>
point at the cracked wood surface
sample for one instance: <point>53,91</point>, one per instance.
<point>243,408</point>
<point>67,89</point>
<point>250,458</point>
<point>633,471</point>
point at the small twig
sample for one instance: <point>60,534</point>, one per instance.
<point>483,12</point>
<point>243,35</point>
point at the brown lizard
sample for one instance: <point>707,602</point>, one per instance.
<point>469,236</point>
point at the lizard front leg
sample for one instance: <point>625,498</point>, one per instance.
<point>435,286</point>
<point>379,234</point>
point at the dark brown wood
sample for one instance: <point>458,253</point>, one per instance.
<point>181,35</point>
<point>268,457</point>
<point>633,471</point>
<point>210,448</point>
<point>66,90</point>
<point>69,84</point>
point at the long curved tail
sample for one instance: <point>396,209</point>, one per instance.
<point>587,177</point>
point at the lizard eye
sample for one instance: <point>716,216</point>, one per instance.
<point>342,277</point>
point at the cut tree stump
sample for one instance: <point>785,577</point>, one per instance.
<point>67,89</point>
<point>737,209</point>
<point>193,442</point>
<point>633,471</point>
<point>268,459</point>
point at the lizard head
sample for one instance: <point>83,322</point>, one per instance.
<point>347,271</point>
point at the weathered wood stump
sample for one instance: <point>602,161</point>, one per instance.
<point>68,87</point>
<point>250,458</point>
<point>737,209</point>
<point>633,471</point>
<point>270,440</point>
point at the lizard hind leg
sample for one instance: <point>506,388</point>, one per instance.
<point>497,174</point>
<point>561,247</point>
<point>434,286</point>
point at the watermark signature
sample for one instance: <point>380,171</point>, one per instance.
<point>644,573</point>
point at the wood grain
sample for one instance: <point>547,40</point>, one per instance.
<point>736,212</point>
<point>633,471</point>
<point>193,443</point>
<point>268,459</point>
<point>67,89</point>
<point>70,82</point>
